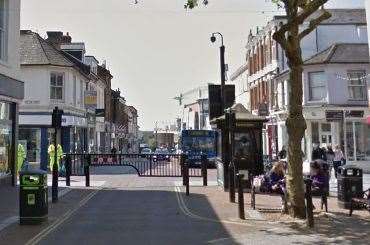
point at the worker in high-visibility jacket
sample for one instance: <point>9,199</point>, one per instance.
<point>51,151</point>
<point>21,156</point>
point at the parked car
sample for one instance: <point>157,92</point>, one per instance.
<point>161,154</point>
<point>145,152</point>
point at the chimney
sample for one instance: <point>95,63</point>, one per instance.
<point>66,39</point>
<point>104,65</point>
<point>55,38</point>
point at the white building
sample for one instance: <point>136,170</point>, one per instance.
<point>52,78</point>
<point>267,79</point>
<point>194,109</point>
<point>240,79</point>
<point>11,87</point>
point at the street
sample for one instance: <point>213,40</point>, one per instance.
<point>129,209</point>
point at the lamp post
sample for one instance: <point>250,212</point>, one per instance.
<point>223,67</point>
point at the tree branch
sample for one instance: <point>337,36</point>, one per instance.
<point>308,9</point>
<point>313,24</point>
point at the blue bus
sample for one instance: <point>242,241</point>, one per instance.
<point>198,142</point>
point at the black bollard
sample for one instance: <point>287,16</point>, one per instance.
<point>204,169</point>
<point>87,170</point>
<point>309,205</point>
<point>231,182</point>
<point>186,168</point>
<point>68,163</point>
<point>240,195</point>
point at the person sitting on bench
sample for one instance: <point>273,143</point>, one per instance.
<point>277,178</point>
<point>318,178</point>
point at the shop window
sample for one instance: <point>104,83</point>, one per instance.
<point>30,138</point>
<point>6,133</point>
<point>317,88</point>
<point>357,85</point>
<point>56,86</point>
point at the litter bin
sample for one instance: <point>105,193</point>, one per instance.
<point>33,197</point>
<point>349,184</point>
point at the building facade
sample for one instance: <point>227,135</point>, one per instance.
<point>11,88</point>
<point>343,34</point>
<point>194,109</point>
<point>45,65</point>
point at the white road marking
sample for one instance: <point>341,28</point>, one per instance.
<point>61,220</point>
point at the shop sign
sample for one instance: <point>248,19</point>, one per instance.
<point>357,114</point>
<point>334,115</point>
<point>90,99</point>
<point>263,110</point>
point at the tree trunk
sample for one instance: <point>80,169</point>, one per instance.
<point>296,126</point>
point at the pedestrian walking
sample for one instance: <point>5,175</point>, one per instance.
<point>21,154</point>
<point>338,158</point>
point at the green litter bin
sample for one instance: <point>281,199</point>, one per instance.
<point>33,197</point>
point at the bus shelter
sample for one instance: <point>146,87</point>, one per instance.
<point>239,142</point>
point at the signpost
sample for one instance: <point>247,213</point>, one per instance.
<point>56,124</point>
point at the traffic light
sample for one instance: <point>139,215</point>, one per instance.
<point>56,120</point>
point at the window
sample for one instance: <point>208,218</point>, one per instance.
<point>3,29</point>
<point>56,86</point>
<point>317,88</point>
<point>357,85</point>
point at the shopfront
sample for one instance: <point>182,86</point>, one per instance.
<point>6,138</point>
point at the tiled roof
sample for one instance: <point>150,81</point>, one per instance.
<point>34,50</point>
<point>341,53</point>
<point>345,16</point>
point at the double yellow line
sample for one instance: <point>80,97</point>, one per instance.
<point>61,220</point>
<point>186,211</point>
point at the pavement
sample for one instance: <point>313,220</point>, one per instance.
<point>122,208</point>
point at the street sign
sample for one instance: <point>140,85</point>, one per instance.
<point>355,113</point>
<point>214,97</point>
<point>91,99</point>
<point>334,115</point>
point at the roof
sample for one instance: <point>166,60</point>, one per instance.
<point>34,50</point>
<point>343,16</point>
<point>341,53</point>
<point>242,114</point>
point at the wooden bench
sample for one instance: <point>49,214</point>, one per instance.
<point>360,203</point>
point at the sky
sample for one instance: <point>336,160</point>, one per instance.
<point>155,49</point>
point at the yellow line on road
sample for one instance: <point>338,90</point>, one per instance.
<point>52,227</point>
<point>187,212</point>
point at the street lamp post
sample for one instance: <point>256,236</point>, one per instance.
<point>223,68</point>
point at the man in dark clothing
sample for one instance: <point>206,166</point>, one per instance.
<point>318,153</point>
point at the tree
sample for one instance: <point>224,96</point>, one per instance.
<point>289,37</point>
